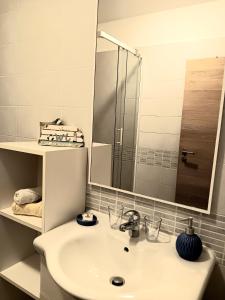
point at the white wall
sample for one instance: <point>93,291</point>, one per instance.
<point>189,23</point>
<point>47,50</point>
<point>130,8</point>
<point>166,40</point>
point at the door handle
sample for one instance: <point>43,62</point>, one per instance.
<point>185,153</point>
<point>121,136</point>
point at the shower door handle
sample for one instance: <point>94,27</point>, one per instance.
<point>121,136</point>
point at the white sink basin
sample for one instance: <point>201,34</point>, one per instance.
<point>82,260</point>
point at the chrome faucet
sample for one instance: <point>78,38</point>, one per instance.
<point>133,224</point>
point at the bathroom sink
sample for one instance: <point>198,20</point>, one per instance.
<point>103,264</point>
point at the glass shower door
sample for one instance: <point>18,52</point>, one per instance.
<point>126,112</point>
<point>131,105</point>
<point>119,116</point>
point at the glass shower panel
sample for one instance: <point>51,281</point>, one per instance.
<point>105,103</point>
<point>119,116</point>
<point>115,111</point>
<point>105,97</point>
<point>131,105</point>
<point>128,79</point>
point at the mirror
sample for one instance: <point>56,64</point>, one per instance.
<point>159,93</point>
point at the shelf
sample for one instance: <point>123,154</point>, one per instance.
<point>31,147</point>
<point>25,275</point>
<point>29,221</point>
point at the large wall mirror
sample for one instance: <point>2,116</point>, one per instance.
<point>159,93</point>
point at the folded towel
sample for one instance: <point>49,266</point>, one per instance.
<point>31,209</point>
<point>28,195</point>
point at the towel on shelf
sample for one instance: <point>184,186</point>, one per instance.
<point>29,195</point>
<point>31,209</point>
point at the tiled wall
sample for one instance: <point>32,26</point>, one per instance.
<point>156,173</point>
<point>161,103</point>
<point>211,228</point>
<point>155,157</point>
<point>160,119</point>
<point>47,55</point>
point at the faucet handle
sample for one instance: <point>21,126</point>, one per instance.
<point>133,215</point>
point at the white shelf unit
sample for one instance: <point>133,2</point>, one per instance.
<point>25,275</point>
<point>29,221</point>
<point>61,172</point>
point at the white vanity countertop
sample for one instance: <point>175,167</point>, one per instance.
<point>83,259</point>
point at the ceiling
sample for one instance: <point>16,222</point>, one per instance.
<point>110,10</point>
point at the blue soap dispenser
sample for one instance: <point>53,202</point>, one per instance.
<point>189,244</point>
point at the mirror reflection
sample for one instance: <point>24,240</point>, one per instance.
<point>158,103</point>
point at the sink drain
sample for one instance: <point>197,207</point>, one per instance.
<point>117,281</point>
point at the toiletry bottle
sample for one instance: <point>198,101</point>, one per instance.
<point>188,244</point>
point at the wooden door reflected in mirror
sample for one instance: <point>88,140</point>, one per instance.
<point>199,127</point>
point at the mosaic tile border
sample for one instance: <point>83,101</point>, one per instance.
<point>159,158</point>
<point>211,228</point>
<point>128,153</point>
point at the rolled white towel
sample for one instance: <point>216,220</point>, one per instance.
<point>29,195</point>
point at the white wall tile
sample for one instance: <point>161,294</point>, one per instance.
<point>145,187</point>
<point>46,88</point>
<point>6,138</point>
<point>47,56</point>
<point>36,88</point>
<point>163,62</point>
<point>8,60</point>
<point>163,142</point>
<point>166,192</point>
<point>76,87</point>
<point>8,25</point>
<point>150,173</point>
<point>155,182</point>
<point>162,89</point>
<point>161,107</point>
<point>49,113</point>
<point>8,5</point>
<point>42,16</point>
<point>160,124</point>
<point>8,121</point>
<point>169,177</point>
<point>6,93</point>
<point>78,46</point>
<point>28,122</point>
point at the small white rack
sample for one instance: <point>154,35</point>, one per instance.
<point>61,171</point>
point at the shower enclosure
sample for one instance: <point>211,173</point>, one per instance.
<point>117,81</point>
